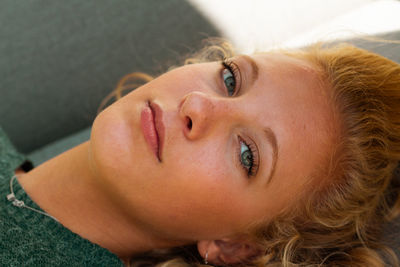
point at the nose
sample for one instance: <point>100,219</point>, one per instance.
<point>199,111</point>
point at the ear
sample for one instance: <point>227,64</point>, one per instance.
<point>228,250</point>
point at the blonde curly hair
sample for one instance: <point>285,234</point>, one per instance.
<point>339,223</point>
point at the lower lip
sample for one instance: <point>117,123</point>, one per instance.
<point>149,130</point>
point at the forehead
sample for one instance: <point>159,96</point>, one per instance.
<point>298,108</point>
<point>281,67</point>
<point>295,89</point>
<point>294,80</point>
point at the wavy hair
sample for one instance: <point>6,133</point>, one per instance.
<point>340,223</point>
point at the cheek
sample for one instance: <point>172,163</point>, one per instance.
<point>199,193</point>
<point>195,210</point>
<point>208,178</point>
<point>206,164</point>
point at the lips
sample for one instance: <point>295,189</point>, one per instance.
<point>153,128</point>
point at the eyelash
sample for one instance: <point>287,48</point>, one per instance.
<point>252,170</point>
<point>234,70</point>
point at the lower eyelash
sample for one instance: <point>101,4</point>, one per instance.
<point>254,162</point>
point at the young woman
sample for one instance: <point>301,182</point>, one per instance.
<point>269,159</point>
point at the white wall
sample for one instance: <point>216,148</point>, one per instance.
<point>262,24</point>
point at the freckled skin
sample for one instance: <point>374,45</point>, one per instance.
<point>200,191</point>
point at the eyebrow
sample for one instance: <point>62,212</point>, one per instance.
<point>271,138</point>
<point>269,134</point>
<point>254,68</point>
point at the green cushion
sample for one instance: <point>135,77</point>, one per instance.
<point>59,59</point>
<point>55,148</point>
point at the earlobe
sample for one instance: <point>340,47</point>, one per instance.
<point>209,251</point>
<point>228,251</point>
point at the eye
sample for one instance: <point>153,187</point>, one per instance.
<point>230,75</point>
<point>248,158</point>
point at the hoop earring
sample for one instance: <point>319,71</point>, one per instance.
<point>206,258</point>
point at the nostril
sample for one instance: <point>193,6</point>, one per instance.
<point>189,123</point>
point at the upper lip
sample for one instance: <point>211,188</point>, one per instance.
<point>159,126</point>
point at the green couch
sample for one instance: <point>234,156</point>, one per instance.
<point>59,59</point>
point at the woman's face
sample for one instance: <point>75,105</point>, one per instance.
<point>232,151</point>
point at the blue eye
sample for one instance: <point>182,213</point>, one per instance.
<point>247,158</point>
<point>229,81</point>
<point>229,76</point>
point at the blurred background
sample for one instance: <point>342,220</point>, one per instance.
<point>262,24</point>
<point>59,59</point>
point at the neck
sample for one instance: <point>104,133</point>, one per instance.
<point>67,188</point>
